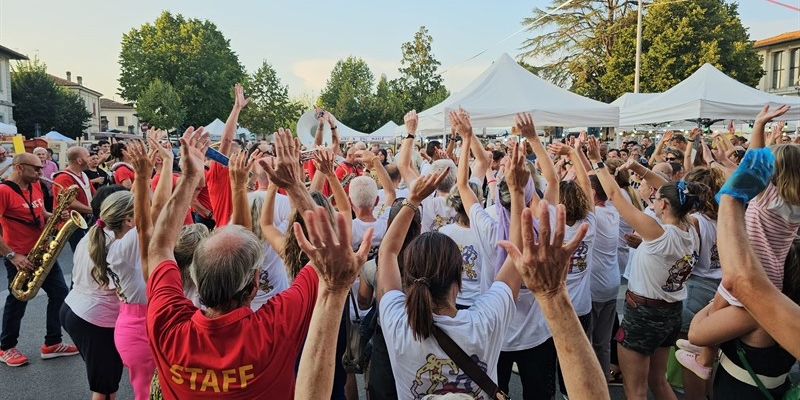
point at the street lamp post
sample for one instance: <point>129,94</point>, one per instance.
<point>638,48</point>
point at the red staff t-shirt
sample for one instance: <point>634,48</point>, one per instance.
<point>219,190</point>
<point>67,179</point>
<point>240,355</point>
<point>122,174</point>
<point>19,230</point>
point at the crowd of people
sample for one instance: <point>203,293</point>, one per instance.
<point>435,271</point>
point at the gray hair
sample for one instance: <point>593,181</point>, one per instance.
<point>223,266</point>
<point>450,179</point>
<point>363,191</point>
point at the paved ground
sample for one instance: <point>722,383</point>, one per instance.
<point>65,378</point>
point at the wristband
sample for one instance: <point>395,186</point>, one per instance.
<point>333,128</point>
<point>410,205</point>
<point>491,181</point>
<point>410,136</point>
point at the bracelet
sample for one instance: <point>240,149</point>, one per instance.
<point>410,205</point>
<point>491,181</point>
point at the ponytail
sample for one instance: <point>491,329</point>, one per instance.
<point>419,306</point>
<point>98,252</point>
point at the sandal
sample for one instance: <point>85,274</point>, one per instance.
<point>615,379</point>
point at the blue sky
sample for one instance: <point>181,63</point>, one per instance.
<point>302,40</point>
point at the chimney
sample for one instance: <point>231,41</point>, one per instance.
<point>69,76</point>
<point>80,80</point>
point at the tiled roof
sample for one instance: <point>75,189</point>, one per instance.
<point>64,82</point>
<point>108,104</point>
<point>783,37</point>
<point>13,55</point>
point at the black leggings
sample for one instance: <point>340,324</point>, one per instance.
<point>537,370</point>
<point>96,345</point>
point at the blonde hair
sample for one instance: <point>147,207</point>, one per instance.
<point>787,172</point>
<point>116,208</point>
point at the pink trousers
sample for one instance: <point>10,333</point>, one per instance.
<point>130,337</point>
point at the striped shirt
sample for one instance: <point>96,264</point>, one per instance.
<point>771,233</point>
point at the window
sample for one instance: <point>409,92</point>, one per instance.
<point>794,67</point>
<point>120,121</point>
<point>777,69</point>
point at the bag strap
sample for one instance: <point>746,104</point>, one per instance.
<point>469,366</point>
<point>750,371</point>
<point>355,307</point>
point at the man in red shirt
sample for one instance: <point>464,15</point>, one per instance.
<point>72,174</point>
<point>228,350</point>
<point>22,216</point>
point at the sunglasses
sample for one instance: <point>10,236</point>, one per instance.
<point>36,167</point>
<point>670,159</point>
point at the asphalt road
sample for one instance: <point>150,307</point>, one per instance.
<point>65,378</point>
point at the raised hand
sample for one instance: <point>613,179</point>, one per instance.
<point>412,121</point>
<point>707,156</point>
<point>330,119</point>
<point>137,154</point>
<point>559,148</point>
<point>366,157</point>
<point>324,161</point>
<point>462,123</point>
<point>329,250</point>
<point>668,135</point>
<point>525,126</point>
<point>580,141</point>
<point>693,134</point>
<point>593,152</point>
<point>284,169</point>
<point>239,168</point>
<point>518,174</point>
<point>425,185</point>
<point>543,263</point>
<point>767,115</point>
<point>194,144</point>
<point>240,101</point>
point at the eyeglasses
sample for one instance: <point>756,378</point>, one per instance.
<point>653,198</point>
<point>670,159</point>
<point>36,167</point>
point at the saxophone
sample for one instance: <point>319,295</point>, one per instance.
<point>45,252</point>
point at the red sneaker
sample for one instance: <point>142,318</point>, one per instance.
<point>13,358</point>
<point>58,350</point>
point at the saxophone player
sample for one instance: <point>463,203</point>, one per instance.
<point>22,216</point>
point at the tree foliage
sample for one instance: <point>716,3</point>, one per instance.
<point>348,94</point>
<point>270,106</point>
<point>420,84</point>
<point>577,40</point>
<point>191,55</point>
<point>677,39</point>
<point>160,105</point>
<point>38,100</point>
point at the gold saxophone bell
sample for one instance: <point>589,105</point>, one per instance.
<point>45,252</point>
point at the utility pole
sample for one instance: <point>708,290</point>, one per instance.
<point>638,48</point>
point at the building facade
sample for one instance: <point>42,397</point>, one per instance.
<point>781,62</point>
<point>115,116</point>
<point>91,98</point>
<point>6,106</point>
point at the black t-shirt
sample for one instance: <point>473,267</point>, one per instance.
<point>97,174</point>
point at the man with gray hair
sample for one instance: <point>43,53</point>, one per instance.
<point>229,350</point>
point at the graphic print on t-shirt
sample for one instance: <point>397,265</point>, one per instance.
<point>263,282</point>
<point>679,272</point>
<point>714,264</point>
<point>445,377</point>
<point>468,257</point>
<point>440,221</point>
<point>577,262</point>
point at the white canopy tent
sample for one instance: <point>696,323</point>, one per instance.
<point>7,129</point>
<point>631,99</point>
<point>506,88</point>
<point>307,129</point>
<point>217,126</point>
<point>54,135</point>
<point>708,93</point>
<point>385,133</point>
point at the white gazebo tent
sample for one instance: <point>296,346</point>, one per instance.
<point>631,99</point>
<point>386,133</point>
<point>708,93</point>
<point>505,89</point>
<point>307,129</point>
<point>55,135</point>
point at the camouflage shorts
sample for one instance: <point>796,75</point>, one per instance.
<point>645,328</point>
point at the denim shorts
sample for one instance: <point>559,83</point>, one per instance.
<point>699,292</point>
<point>645,328</point>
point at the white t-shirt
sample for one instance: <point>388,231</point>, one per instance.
<point>436,213</point>
<point>708,265</point>
<point>528,328</point>
<point>629,258</point>
<point>124,263</point>
<point>398,194</point>
<point>478,251</point>
<point>579,275</point>
<point>605,268</point>
<point>422,368</point>
<point>660,267</point>
<point>360,227</point>
<point>622,246</point>
<point>283,208</point>
<point>272,279</point>
<point>95,305</point>
<point>425,168</point>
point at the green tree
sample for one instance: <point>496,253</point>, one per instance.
<point>387,103</point>
<point>38,100</point>
<point>348,94</point>
<point>420,84</point>
<point>270,106</point>
<point>160,105</point>
<point>191,55</point>
<point>677,39</point>
<point>577,40</point>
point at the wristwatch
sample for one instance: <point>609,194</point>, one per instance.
<point>410,136</point>
<point>11,255</point>
<point>599,165</point>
